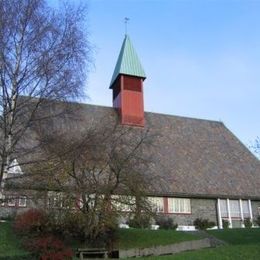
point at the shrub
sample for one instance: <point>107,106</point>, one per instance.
<point>18,257</point>
<point>225,223</point>
<point>49,248</point>
<point>203,224</point>
<point>141,221</point>
<point>247,222</point>
<point>7,218</point>
<point>70,225</point>
<point>35,226</point>
<point>31,222</point>
<point>166,223</point>
<point>257,221</point>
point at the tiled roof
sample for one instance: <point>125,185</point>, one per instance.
<point>191,157</point>
<point>128,62</point>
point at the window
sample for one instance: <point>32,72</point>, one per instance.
<point>223,208</point>
<point>179,205</point>
<point>14,168</point>
<point>11,201</point>
<point>246,211</point>
<point>89,200</point>
<point>92,199</point>
<point>22,201</point>
<point>234,208</point>
<point>123,203</point>
<point>55,200</point>
<point>156,203</point>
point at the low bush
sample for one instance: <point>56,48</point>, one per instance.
<point>141,221</point>
<point>225,223</point>
<point>166,223</point>
<point>203,224</point>
<point>31,222</point>
<point>37,229</point>
<point>18,257</point>
<point>48,248</point>
<point>257,221</point>
<point>70,225</point>
<point>8,218</point>
<point>248,223</point>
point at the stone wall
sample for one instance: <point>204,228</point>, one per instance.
<point>200,208</point>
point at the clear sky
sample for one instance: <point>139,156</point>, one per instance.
<point>201,57</point>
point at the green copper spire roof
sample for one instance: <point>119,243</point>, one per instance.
<point>128,62</point>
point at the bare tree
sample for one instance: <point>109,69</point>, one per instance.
<point>44,54</point>
<point>105,170</point>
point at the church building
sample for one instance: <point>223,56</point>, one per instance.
<point>205,171</point>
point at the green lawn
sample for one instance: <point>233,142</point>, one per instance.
<point>246,252</point>
<point>238,236</point>
<point>138,238</point>
<point>242,244</point>
<point>9,244</point>
<point>129,238</point>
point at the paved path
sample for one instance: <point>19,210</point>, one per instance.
<point>167,249</point>
<point>215,242</point>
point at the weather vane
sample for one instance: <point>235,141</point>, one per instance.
<point>126,21</point>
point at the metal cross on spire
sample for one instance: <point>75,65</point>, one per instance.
<point>126,21</point>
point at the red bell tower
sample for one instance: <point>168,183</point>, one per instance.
<point>127,85</point>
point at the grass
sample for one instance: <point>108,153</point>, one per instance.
<point>242,244</point>
<point>9,244</point>
<point>238,236</point>
<point>248,252</point>
<point>140,238</point>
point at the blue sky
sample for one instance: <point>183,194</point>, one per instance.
<point>201,57</point>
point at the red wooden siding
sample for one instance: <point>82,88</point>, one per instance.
<point>128,99</point>
<point>165,205</point>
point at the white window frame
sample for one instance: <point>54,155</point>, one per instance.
<point>223,208</point>
<point>246,210</point>
<point>20,204</point>
<point>92,200</point>
<point>234,207</point>
<point>157,204</point>
<point>54,200</point>
<point>57,202</point>
<point>14,168</point>
<point>9,199</point>
<point>177,201</point>
<point>123,203</point>
<point>242,210</point>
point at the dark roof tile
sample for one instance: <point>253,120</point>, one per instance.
<point>192,157</point>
